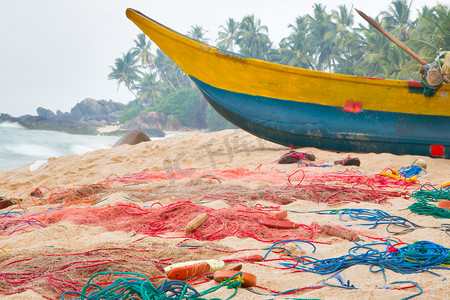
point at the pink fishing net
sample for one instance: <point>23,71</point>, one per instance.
<point>170,220</point>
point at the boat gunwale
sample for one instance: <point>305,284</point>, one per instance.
<point>276,66</point>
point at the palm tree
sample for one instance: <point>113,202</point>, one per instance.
<point>345,51</point>
<point>322,29</point>
<point>252,38</point>
<point>125,71</point>
<point>148,89</point>
<point>198,33</point>
<point>162,64</point>
<point>439,20</point>
<point>398,18</point>
<point>142,51</point>
<point>170,73</point>
<point>227,37</point>
<point>295,50</point>
<point>344,22</point>
<point>375,49</point>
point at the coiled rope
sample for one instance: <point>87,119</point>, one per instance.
<point>138,286</point>
<point>425,196</point>
<point>422,256</point>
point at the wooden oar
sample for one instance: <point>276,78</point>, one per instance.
<point>392,38</point>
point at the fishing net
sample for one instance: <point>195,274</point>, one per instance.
<point>51,272</point>
<point>271,185</point>
<point>170,220</point>
<point>272,176</point>
<point>176,198</point>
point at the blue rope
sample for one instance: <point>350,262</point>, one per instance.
<point>344,285</point>
<point>375,217</point>
<point>416,258</point>
<point>406,281</point>
<point>410,171</point>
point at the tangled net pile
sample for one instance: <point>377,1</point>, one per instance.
<point>273,176</point>
<point>158,220</point>
<point>333,188</point>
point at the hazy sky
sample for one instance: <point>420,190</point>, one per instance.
<point>56,53</point>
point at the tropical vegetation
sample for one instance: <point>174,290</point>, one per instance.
<point>325,41</point>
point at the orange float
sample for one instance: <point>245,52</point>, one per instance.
<point>342,233</point>
<point>188,271</point>
<point>444,204</point>
<point>224,275</point>
<point>278,215</point>
<point>197,222</point>
<point>279,224</point>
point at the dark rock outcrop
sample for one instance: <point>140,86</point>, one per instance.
<point>132,138</point>
<point>45,113</point>
<point>84,117</point>
<point>90,114</point>
<point>37,122</point>
<point>97,110</point>
<point>7,118</point>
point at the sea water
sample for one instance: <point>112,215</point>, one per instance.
<point>20,146</point>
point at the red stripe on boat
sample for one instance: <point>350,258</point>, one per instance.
<point>437,150</point>
<point>353,106</point>
<point>415,84</point>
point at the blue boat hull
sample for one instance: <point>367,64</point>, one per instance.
<point>328,127</point>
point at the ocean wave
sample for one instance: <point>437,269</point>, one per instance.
<point>30,150</point>
<point>11,125</point>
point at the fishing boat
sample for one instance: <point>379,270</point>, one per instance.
<point>306,108</point>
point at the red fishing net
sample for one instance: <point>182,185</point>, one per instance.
<point>170,220</point>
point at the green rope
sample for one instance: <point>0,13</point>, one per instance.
<point>131,184</point>
<point>139,285</point>
<point>130,199</point>
<point>99,201</point>
<point>427,195</point>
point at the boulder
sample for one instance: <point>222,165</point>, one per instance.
<point>91,109</point>
<point>45,113</point>
<point>35,122</point>
<point>132,138</point>
<point>63,115</point>
<point>7,118</point>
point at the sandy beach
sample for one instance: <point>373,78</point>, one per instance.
<point>125,209</point>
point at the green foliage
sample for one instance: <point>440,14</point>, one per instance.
<point>132,112</point>
<point>215,121</point>
<point>185,105</point>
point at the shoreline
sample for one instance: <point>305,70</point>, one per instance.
<point>177,133</point>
